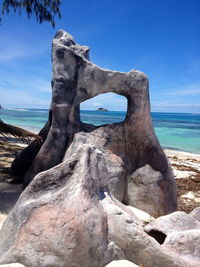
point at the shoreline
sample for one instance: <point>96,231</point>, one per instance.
<point>175,131</point>
<point>36,130</point>
<point>164,148</point>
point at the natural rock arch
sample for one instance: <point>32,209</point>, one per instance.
<point>104,104</point>
<point>76,79</point>
<point>80,175</point>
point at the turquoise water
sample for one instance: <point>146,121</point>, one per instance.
<point>174,130</point>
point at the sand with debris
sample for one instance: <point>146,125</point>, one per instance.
<point>186,168</point>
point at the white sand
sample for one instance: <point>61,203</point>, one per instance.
<point>184,164</point>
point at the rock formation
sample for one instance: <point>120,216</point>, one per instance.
<point>176,221</point>
<point>127,146</point>
<point>79,177</point>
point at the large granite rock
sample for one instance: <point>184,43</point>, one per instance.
<point>71,213</point>
<point>67,217</point>
<point>185,244</point>
<point>179,234</point>
<point>144,191</point>
<point>176,221</point>
<point>127,146</point>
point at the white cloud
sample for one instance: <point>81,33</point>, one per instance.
<point>9,54</point>
<point>26,82</point>
<point>11,51</point>
<point>188,105</point>
<point>184,107</point>
<point>97,104</point>
<point>16,47</point>
<point>110,101</point>
<point>41,85</point>
<point>13,98</point>
<point>191,89</point>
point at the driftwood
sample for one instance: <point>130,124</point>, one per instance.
<point>23,161</point>
<point>8,131</point>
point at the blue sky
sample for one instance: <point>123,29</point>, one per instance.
<point>160,38</point>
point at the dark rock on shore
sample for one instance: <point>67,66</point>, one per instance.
<point>102,109</point>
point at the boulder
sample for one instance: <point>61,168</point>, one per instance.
<point>61,216</point>
<point>176,221</point>
<point>128,146</point>
<point>185,244</point>
<point>144,191</point>
<point>69,216</point>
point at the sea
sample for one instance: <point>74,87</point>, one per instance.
<point>178,131</point>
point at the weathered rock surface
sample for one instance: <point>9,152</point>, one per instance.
<point>185,244</point>
<point>179,234</point>
<point>143,216</point>
<point>176,221</point>
<point>71,214</point>
<point>67,216</point>
<point>129,145</point>
<point>144,191</point>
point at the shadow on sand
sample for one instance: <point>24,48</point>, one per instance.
<point>9,193</point>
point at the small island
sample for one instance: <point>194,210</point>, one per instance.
<point>102,109</point>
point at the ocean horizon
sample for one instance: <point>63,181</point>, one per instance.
<point>178,131</point>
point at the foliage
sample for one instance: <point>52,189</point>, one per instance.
<point>43,10</point>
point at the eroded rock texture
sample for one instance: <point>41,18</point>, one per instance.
<point>71,214</point>
<point>127,146</point>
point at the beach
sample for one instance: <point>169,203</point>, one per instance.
<point>186,168</point>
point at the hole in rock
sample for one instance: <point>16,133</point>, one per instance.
<point>104,109</point>
<point>158,236</point>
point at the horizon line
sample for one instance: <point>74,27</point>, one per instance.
<point>175,112</point>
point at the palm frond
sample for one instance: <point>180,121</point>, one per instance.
<point>8,131</point>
